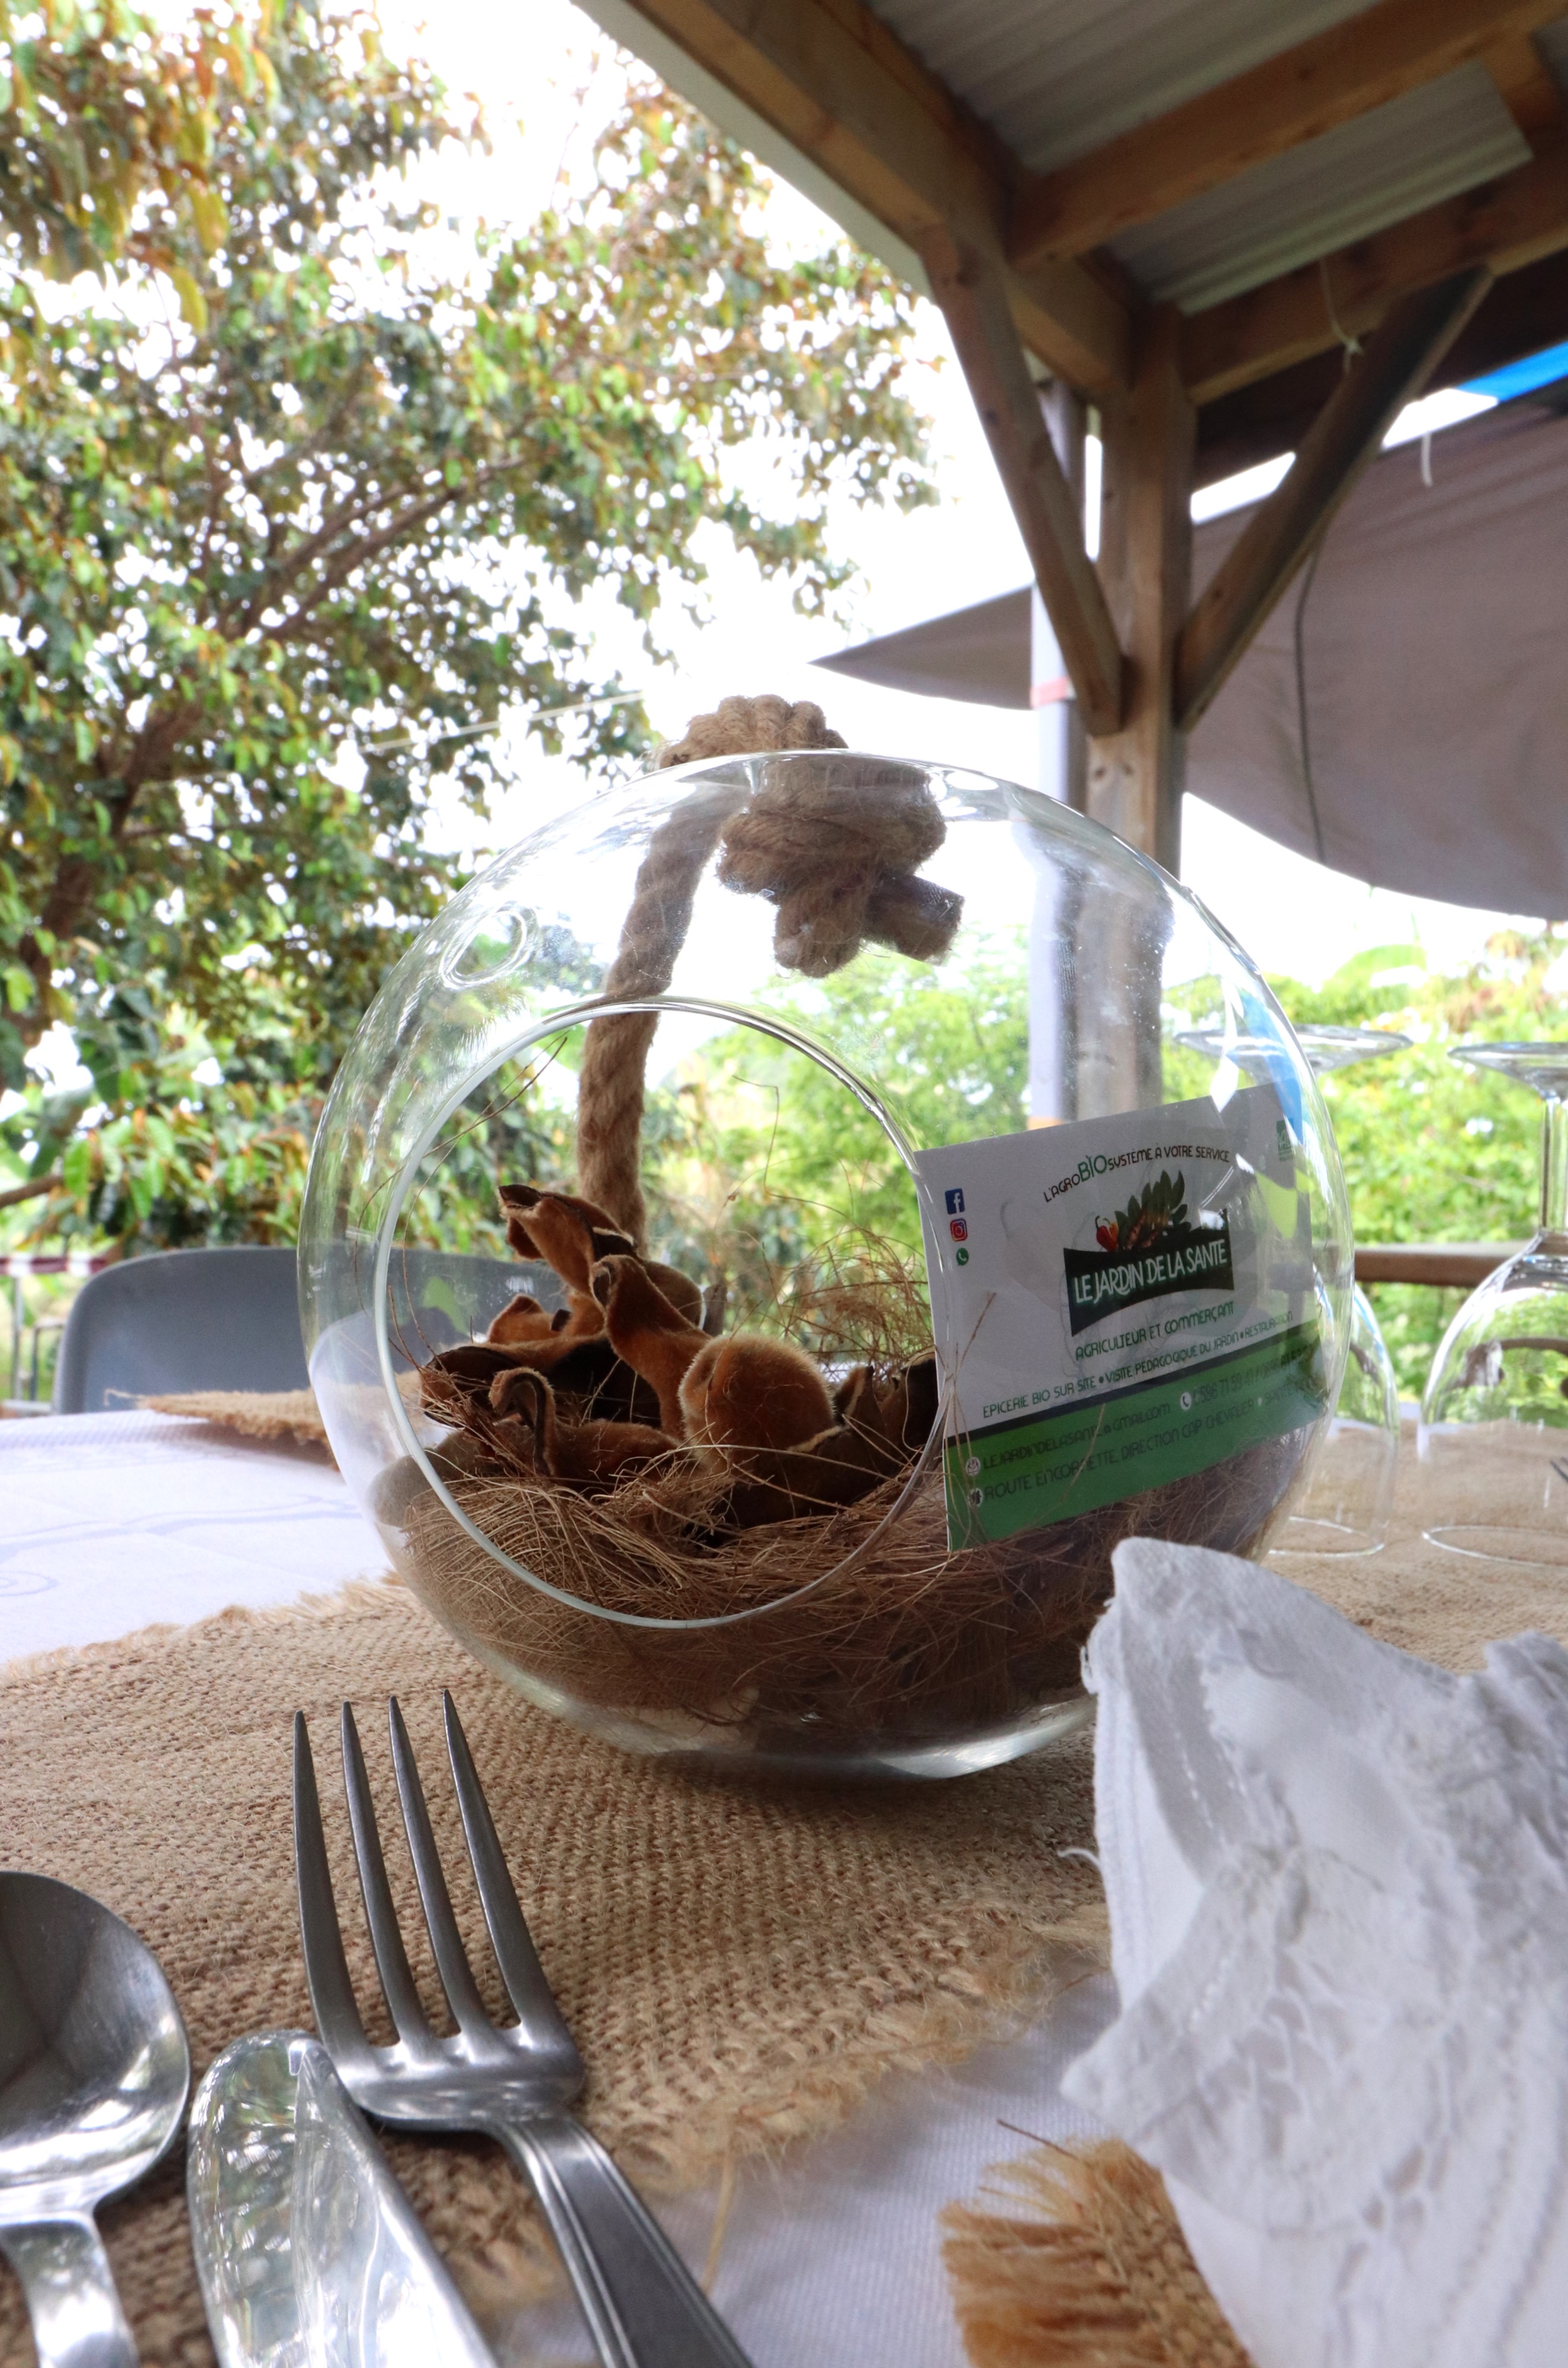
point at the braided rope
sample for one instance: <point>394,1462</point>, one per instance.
<point>838,860</point>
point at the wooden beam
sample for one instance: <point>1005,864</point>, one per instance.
<point>1374,57</point>
<point>1343,439</point>
<point>1449,1266</point>
<point>969,290</point>
<point>1526,86</point>
<point>1518,316</point>
<point>842,89</point>
<point>1503,225</point>
<point>1145,563</point>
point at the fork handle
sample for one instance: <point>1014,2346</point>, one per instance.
<point>77,2319</point>
<point>643,2307</point>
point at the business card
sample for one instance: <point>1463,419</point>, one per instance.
<point>1122,1302</point>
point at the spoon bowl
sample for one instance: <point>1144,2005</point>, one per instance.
<point>94,2073</point>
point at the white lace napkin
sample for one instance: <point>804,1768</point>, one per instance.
<point>1338,1885</point>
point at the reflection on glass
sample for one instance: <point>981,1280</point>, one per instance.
<point>1500,1377</point>
<point>1346,1499</point>
<point>307,2252</point>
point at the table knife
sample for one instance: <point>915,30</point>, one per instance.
<point>307,2252</point>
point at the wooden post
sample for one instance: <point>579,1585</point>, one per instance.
<point>1066,416</point>
<point>1145,565</point>
<point>969,287</point>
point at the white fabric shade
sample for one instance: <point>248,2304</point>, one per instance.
<point>1432,678</point>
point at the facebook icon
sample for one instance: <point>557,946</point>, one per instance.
<point>955,1202</point>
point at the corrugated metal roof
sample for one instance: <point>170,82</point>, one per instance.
<point>1440,138</point>
<point>1058,78</point>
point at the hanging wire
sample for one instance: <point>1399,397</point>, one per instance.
<point>1351,345</point>
<point>462,732</point>
<point>1298,636</point>
<point>478,731</point>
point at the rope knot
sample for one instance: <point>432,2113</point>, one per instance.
<point>838,857</point>
<point>835,847</point>
<point>749,727</point>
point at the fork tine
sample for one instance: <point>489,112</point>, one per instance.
<point>326,1968</point>
<point>386,1938</point>
<point>451,1959</point>
<point>512,1942</point>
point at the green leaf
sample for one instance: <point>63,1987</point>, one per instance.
<point>211,218</point>
<point>192,301</point>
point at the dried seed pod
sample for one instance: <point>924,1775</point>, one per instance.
<point>452,1378</point>
<point>585,1453</point>
<point>739,1392</point>
<point>648,1333</point>
<point>524,1202</point>
<point>571,1236</point>
<point>748,1392</point>
<point>522,1320</point>
<point>839,1467</point>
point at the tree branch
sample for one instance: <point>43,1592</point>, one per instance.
<point>29,1191</point>
<point>370,545</point>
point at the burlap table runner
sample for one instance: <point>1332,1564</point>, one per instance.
<point>252,1414</point>
<point>740,1966</point>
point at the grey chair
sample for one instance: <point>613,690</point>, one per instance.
<point>175,1320</point>
<point>229,1319</point>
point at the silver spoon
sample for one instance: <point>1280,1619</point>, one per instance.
<point>94,2070</point>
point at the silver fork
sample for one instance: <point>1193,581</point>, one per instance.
<point>643,2307</point>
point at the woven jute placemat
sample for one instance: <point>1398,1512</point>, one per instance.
<point>739,1966</point>
<point>251,1414</point>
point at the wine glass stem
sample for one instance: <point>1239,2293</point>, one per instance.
<point>1554,1167</point>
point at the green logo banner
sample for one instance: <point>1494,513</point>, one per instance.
<point>1102,1283</point>
<point>1050,1466</point>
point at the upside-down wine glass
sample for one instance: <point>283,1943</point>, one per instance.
<point>1345,1500</point>
<point>1499,1381</point>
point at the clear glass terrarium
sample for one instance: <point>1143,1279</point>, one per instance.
<point>916,1105</point>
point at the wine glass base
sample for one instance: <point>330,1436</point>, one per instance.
<point>1303,1536</point>
<point>1491,1542</point>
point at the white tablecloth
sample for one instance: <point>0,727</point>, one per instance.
<point>833,2256</point>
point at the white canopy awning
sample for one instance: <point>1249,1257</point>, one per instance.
<point>1402,714</point>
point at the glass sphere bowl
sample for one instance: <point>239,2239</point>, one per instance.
<point>1042,976</point>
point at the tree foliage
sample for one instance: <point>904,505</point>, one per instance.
<point>110,127</point>
<point>337,501</point>
<point>1435,1150</point>
<point>764,1158</point>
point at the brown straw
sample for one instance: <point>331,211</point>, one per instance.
<point>1087,2269</point>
